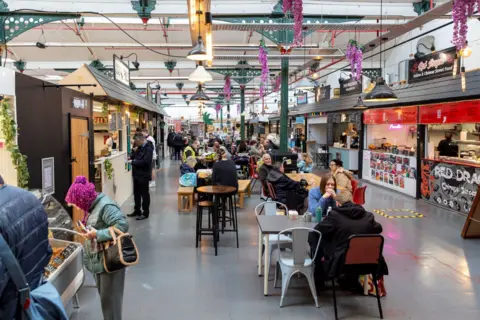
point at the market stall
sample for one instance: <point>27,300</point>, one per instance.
<point>390,155</point>
<point>343,138</point>
<point>451,179</point>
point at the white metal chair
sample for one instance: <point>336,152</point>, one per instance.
<point>269,208</point>
<point>298,260</point>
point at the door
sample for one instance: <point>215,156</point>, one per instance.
<point>79,151</point>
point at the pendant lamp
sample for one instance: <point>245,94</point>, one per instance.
<point>198,52</point>
<point>381,92</point>
<point>200,75</point>
<point>304,84</point>
<point>199,95</point>
<point>360,105</point>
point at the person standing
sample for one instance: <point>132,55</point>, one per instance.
<point>141,160</point>
<point>447,147</point>
<point>178,145</point>
<point>112,142</point>
<point>101,213</point>
<point>24,227</point>
<point>170,138</point>
<point>149,138</point>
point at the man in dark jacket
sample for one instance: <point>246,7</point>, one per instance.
<point>170,137</point>
<point>336,228</point>
<point>286,188</point>
<point>142,172</point>
<point>24,226</point>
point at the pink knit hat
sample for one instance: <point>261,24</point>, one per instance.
<point>81,193</point>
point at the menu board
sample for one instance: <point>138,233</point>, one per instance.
<point>453,186</point>
<point>452,112</point>
<point>391,116</point>
<point>394,171</point>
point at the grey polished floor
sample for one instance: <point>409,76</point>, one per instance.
<point>434,273</point>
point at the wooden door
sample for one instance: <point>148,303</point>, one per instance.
<point>79,154</point>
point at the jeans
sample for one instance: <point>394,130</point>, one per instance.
<point>141,195</point>
<point>178,151</point>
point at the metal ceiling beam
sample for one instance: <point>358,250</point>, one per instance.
<point>308,26</point>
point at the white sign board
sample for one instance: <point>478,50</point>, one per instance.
<point>121,71</point>
<point>48,176</point>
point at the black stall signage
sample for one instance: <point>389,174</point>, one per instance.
<point>350,86</point>
<point>453,186</point>
<point>431,66</point>
<point>322,93</point>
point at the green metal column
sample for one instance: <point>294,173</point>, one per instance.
<point>242,109</point>
<point>284,105</point>
<point>221,119</point>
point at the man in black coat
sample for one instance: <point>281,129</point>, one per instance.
<point>287,191</point>
<point>141,159</point>
<point>336,228</point>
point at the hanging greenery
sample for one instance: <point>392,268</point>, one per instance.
<point>108,168</point>
<point>105,108</point>
<point>119,107</point>
<point>354,54</point>
<point>263,59</point>
<point>9,132</point>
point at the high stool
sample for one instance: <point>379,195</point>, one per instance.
<point>211,230</point>
<point>227,204</point>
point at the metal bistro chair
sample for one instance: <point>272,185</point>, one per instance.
<point>269,208</point>
<point>362,256</point>
<point>298,260</point>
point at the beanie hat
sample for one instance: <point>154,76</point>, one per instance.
<point>81,193</point>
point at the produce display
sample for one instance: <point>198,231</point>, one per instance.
<point>58,257</point>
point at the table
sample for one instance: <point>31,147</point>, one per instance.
<point>216,191</point>
<point>273,225</point>
<point>312,179</point>
<point>243,188</point>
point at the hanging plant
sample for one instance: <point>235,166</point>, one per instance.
<point>287,6</point>
<point>105,108</point>
<point>108,168</point>
<point>227,88</point>
<point>462,9</point>
<point>9,132</point>
<point>263,59</point>
<point>119,107</point>
<point>354,54</point>
<point>298,22</point>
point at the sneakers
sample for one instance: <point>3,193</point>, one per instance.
<point>142,217</point>
<point>153,184</point>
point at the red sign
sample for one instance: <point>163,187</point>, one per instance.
<point>405,115</point>
<point>454,112</point>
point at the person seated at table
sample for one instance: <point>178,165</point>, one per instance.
<point>255,150</point>
<point>304,163</point>
<point>224,172</point>
<point>323,196</point>
<point>228,144</point>
<point>188,166</point>
<point>343,178</point>
<point>287,191</point>
<point>242,147</point>
<point>264,166</point>
<point>344,221</point>
<point>216,146</point>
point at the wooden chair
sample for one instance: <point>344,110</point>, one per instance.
<point>244,187</point>
<point>359,195</point>
<point>271,191</point>
<point>185,193</point>
<point>362,256</point>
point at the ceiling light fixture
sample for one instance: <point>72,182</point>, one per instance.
<point>199,95</point>
<point>304,84</point>
<point>135,63</point>
<point>41,43</point>
<point>198,52</point>
<point>360,105</point>
<point>381,92</point>
<point>200,75</point>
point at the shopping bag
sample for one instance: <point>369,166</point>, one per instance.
<point>369,288</point>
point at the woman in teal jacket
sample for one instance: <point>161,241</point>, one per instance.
<point>101,212</point>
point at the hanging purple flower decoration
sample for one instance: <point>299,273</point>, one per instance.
<point>227,89</point>
<point>462,10</point>
<point>298,22</point>
<point>238,108</point>
<point>263,59</point>
<point>287,6</point>
<point>278,82</point>
<point>354,54</point>
<point>218,107</point>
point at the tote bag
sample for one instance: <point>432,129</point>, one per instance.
<point>42,303</point>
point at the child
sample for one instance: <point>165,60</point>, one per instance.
<point>305,163</point>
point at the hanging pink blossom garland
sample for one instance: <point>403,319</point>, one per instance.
<point>263,59</point>
<point>298,22</point>
<point>287,6</point>
<point>462,9</point>
<point>227,88</point>
<point>278,82</point>
<point>354,54</point>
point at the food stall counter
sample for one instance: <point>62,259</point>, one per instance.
<point>349,157</point>
<point>113,177</point>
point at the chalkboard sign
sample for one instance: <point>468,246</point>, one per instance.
<point>351,86</point>
<point>471,229</point>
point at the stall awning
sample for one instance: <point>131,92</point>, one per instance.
<point>427,92</point>
<point>259,119</point>
<point>107,86</point>
<point>273,118</point>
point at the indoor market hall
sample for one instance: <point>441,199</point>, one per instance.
<point>237,160</point>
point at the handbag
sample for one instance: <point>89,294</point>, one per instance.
<point>42,303</point>
<point>121,252</point>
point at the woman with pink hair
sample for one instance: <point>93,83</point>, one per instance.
<point>100,213</point>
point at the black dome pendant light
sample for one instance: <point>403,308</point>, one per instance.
<point>381,92</point>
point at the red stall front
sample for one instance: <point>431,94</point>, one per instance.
<point>451,173</point>
<point>390,155</point>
